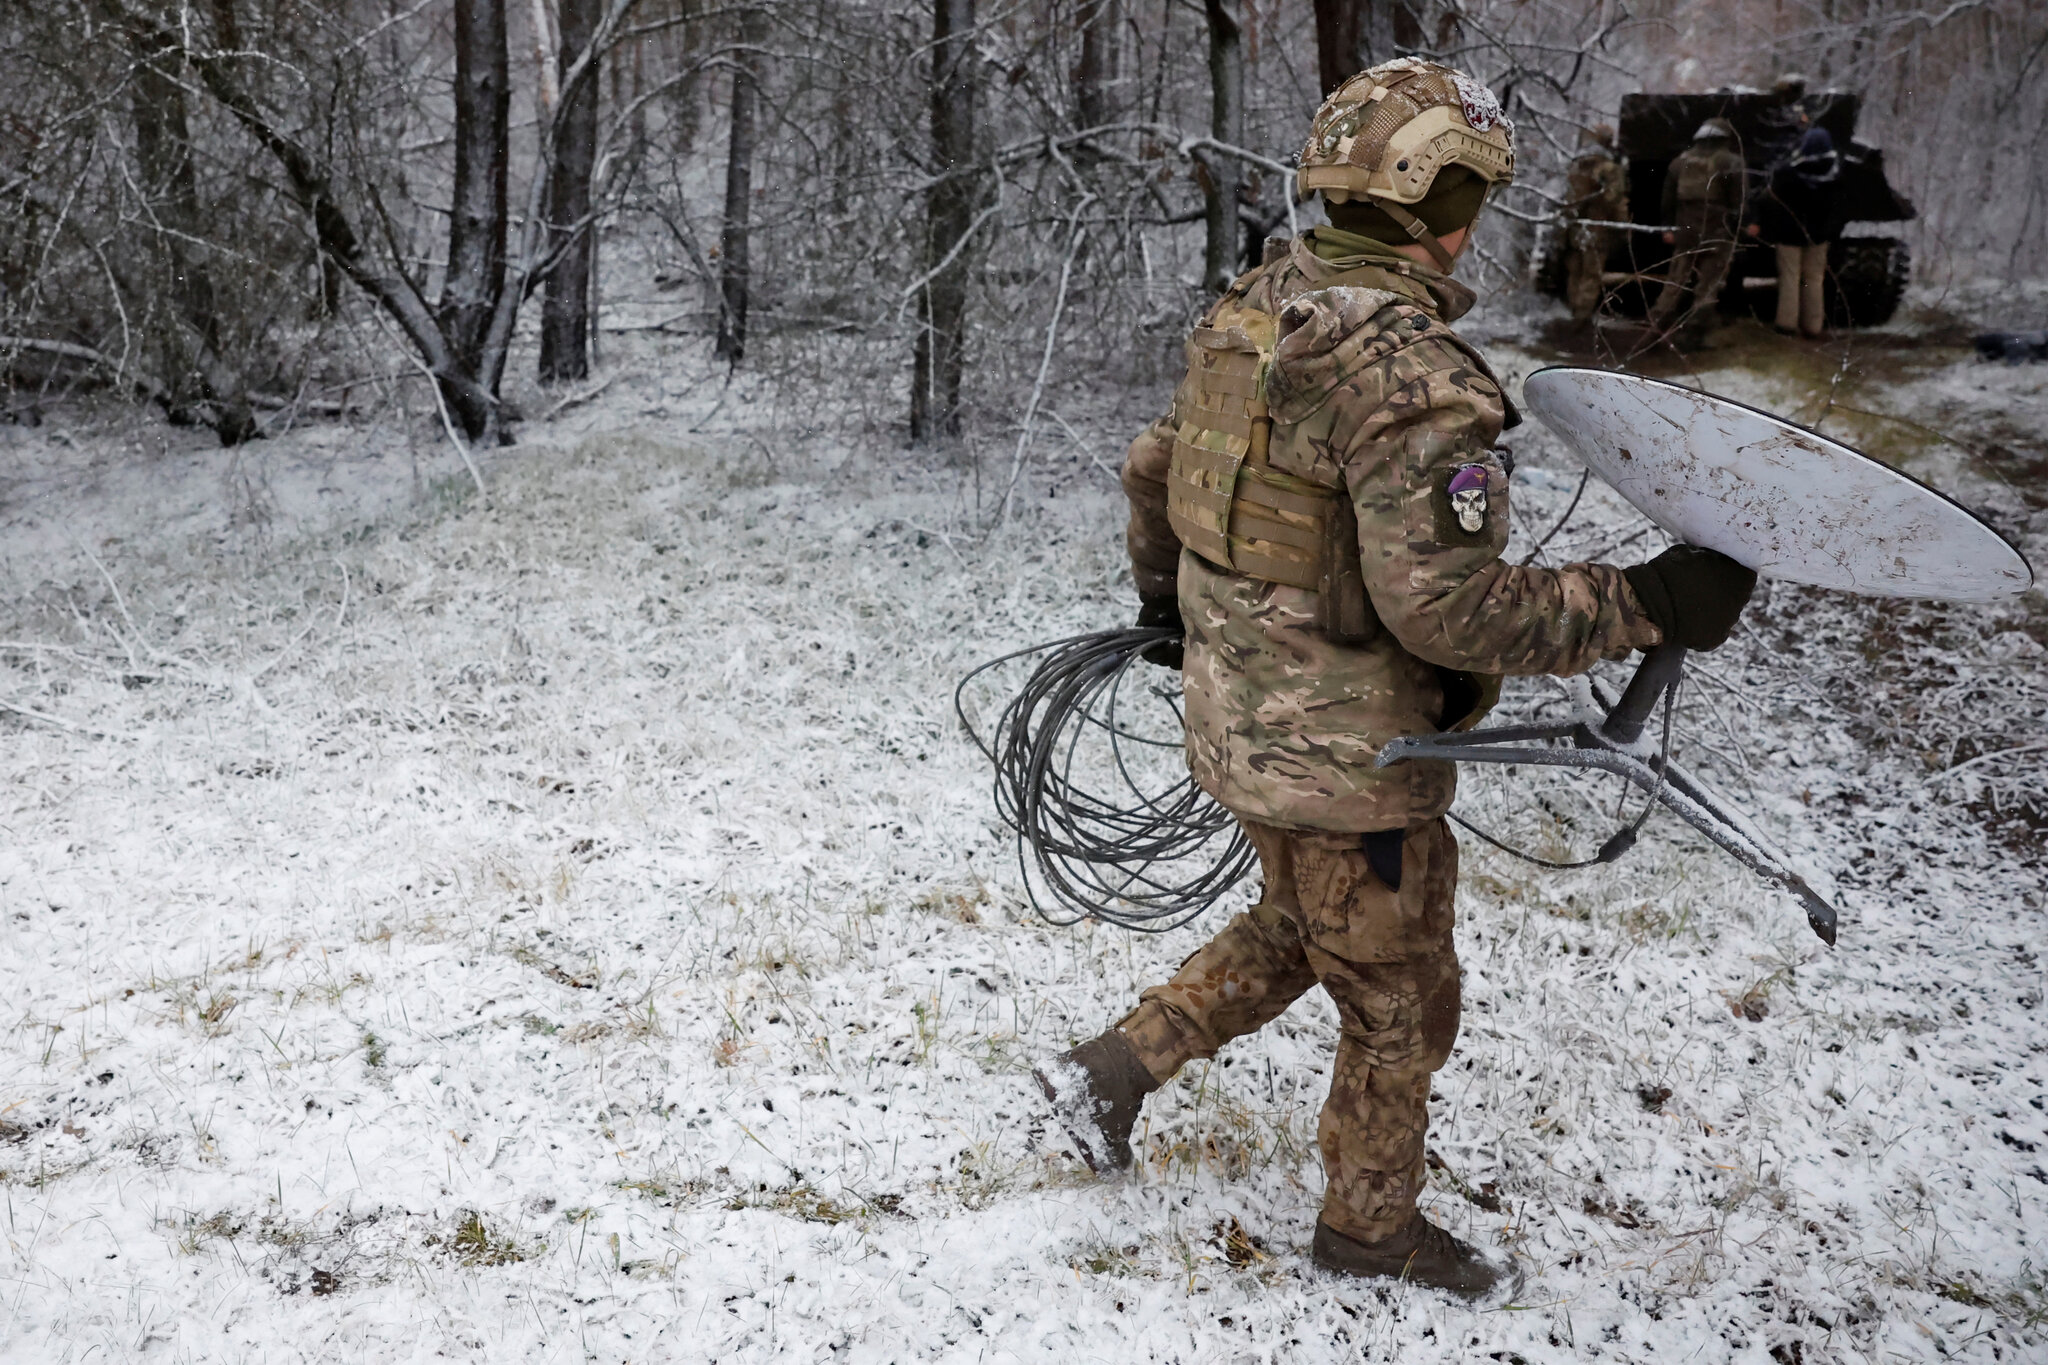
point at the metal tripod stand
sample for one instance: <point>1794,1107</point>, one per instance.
<point>1611,745</point>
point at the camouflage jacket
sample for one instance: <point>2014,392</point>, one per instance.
<point>1370,392</point>
<point>1705,187</point>
<point>1597,186</point>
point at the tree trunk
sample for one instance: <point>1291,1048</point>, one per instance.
<point>196,364</point>
<point>476,225</point>
<point>949,213</point>
<point>1354,34</point>
<point>565,310</point>
<point>733,277</point>
<point>471,397</point>
<point>1100,23</point>
<point>1222,175</point>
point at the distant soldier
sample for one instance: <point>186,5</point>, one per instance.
<point>1778,125</point>
<point>1597,190</point>
<point>1800,213</point>
<point>1703,199</point>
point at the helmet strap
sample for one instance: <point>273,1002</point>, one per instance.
<point>1417,229</point>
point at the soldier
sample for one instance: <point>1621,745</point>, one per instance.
<point>1703,193</point>
<point>1597,190</point>
<point>1800,213</point>
<point>1324,510</point>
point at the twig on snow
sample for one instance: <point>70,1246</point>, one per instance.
<point>1086,449</point>
<point>1967,763</point>
<point>578,399</point>
<point>448,425</point>
<point>341,612</point>
<point>64,724</point>
<point>119,602</point>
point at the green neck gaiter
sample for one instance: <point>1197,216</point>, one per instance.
<point>1331,243</point>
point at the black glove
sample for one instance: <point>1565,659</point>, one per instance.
<point>1161,611</point>
<point>1693,595</point>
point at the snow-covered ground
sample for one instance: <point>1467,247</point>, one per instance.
<point>570,925</point>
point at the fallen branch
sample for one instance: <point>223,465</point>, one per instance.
<point>448,424</point>
<point>1946,773</point>
<point>573,400</point>
<point>63,724</point>
<point>99,360</point>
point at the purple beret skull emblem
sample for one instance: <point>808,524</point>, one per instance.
<point>1468,497</point>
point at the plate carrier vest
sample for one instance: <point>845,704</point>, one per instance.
<point>1231,507</point>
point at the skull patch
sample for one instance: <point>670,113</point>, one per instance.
<point>1468,497</point>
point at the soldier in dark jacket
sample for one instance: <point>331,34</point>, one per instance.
<point>1703,194</point>
<point>1800,213</point>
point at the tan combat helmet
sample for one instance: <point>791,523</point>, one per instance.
<point>1714,128</point>
<point>1384,135</point>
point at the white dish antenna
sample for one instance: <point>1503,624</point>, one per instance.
<point>1790,503</point>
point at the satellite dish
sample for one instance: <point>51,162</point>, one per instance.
<point>1790,503</point>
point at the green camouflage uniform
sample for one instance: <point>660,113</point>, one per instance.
<point>1703,194</point>
<point>1598,188</point>
<point>1369,391</point>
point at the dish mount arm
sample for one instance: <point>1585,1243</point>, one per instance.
<point>1612,746</point>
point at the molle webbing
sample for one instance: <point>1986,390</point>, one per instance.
<point>1224,502</point>
<point>1249,518</point>
<point>1227,504</point>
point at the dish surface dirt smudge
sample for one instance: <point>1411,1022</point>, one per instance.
<point>1793,504</point>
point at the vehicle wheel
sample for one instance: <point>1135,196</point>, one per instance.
<point>1866,278</point>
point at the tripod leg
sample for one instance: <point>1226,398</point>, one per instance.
<point>1656,675</point>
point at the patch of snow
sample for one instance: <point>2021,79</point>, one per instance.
<point>572,927</point>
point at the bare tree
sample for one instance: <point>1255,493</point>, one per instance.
<point>1222,175</point>
<point>1101,23</point>
<point>475,275</point>
<point>463,340</point>
<point>197,373</point>
<point>565,308</point>
<point>1025,208</point>
<point>739,191</point>
<point>950,205</point>
<point>1354,34</point>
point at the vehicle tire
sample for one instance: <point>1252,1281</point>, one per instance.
<point>1866,278</point>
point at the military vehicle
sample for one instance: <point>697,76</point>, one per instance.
<point>1866,274</point>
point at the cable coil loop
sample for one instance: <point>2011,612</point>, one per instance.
<point>1099,834</point>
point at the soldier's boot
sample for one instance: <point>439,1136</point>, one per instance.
<point>1422,1253</point>
<point>1096,1089</point>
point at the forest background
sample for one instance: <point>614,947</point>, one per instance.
<point>250,213</point>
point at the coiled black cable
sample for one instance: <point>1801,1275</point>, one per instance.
<point>1097,839</point>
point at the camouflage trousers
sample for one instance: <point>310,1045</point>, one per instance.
<point>1585,262</point>
<point>1700,258</point>
<point>1386,959</point>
